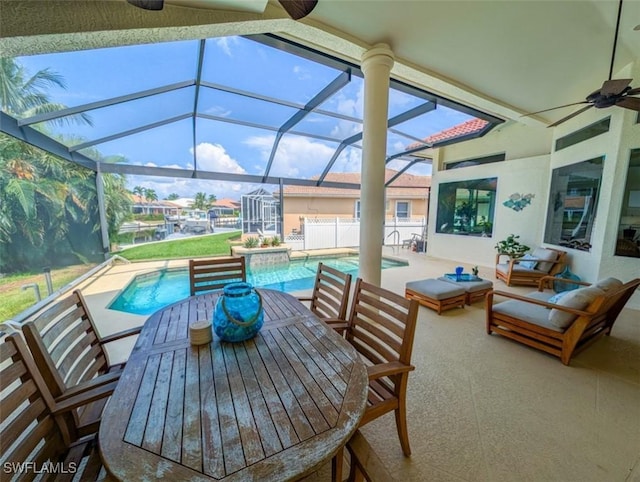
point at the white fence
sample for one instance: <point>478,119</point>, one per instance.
<point>322,233</point>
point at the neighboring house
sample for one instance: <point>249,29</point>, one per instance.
<point>142,206</point>
<point>406,198</point>
<point>225,207</point>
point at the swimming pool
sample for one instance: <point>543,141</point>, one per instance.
<point>149,292</point>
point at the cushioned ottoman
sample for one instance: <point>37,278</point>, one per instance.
<point>435,294</point>
<point>475,289</point>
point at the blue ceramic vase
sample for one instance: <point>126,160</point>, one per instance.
<point>238,315</point>
<point>560,286</point>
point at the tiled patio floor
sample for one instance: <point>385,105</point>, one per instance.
<point>482,408</point>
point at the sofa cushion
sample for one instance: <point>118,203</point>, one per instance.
<point>527,264</point>
<point>578,299</point>
<point>608,284</point>
<point>547,256</point>
<point>504,268</point>
<point>535,314</point>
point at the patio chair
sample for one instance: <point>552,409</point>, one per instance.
<point>563,324</point>
<point>34,434</point>
<point>70,354</point>
<point>528,270</point>
<point>215,273</point>
<point>330,296</point>
<point>381,327</point>
<point>365,462</point>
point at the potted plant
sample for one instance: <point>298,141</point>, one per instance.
<point>512,247</point>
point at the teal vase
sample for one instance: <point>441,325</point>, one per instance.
<point>560,286</point>
<point>238,314</point>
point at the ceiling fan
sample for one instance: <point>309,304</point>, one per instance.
<point>614,92</point>
<point>296,9</point>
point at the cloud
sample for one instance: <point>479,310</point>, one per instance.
<point>213,157</point>
<point>296,156</point>
<point>225,43</point>
<point>301,73</point>
<point>218,111</point>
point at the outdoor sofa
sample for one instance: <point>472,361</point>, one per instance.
<point>563,326</point>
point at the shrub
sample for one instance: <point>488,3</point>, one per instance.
<point>251,242</point>
<point>275,241</point>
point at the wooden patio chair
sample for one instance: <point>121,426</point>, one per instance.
<point>381,327</point>
<point>70,354</point>
<point>330,295</point>
<point>34,433</point>
<point>515,271</point>
<point>214,273</point>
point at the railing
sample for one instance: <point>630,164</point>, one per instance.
<point>21,317</point>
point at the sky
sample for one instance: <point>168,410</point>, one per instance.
<point>220,146</point>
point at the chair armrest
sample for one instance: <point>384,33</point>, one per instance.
<point>386,369</point>
<point>120,335</point>
<point>550,279</point>
<point>500,255</point>
<point>337,324</point>
<point>81,388</point>
<point>546,304</point>
<point>98,393</point>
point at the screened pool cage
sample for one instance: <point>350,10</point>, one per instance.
<point>261,213</point>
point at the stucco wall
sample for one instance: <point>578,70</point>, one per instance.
<point>332,207</point>
<point>524,176</point>
<point>532,175</point>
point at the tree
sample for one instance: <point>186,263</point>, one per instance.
<point>172,197</point>
<point>23,96</point>
<point>200,201</point>
<point>139,191</point>
<point>150,196</point>
<point>212,199</point>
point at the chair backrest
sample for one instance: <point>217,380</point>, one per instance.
<point>65,344</point>
<point>382,324</point>
<point>29,433</point>
<point>215,273</point>
<point>330,295</point>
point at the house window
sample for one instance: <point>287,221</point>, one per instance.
<point>583,134</point>
<point>357,209</point>
<point>403,209</point>
<point>467,207</point>
<point>572,204</point>
<point>475,161</point>
<point>628,242</point>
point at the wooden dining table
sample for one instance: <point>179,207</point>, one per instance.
<point>275,407</point>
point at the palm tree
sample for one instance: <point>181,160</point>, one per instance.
<point>150,196</point>
<point>24,96</point>
<point>212,199</point>
<point>200,201</point>
<point>172,197</point>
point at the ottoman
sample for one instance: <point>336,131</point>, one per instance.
<point>475,289</point>
<point>436,294</point>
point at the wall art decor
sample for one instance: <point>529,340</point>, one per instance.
<point>518,202</point>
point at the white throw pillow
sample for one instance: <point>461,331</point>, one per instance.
<point>527,264</point>
<point>608,284</point>
<point>578,299</point>
<point>555,298</point>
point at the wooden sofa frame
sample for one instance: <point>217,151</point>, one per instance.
<point>529,278</point>
<point>595,320</point>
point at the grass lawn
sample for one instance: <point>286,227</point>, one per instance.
<point>211,245</point>
<point>15,300</point>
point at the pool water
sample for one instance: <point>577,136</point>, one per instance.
<point>149,292</point>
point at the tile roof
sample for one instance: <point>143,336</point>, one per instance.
<point>469,127</point>
<point>412,185</point>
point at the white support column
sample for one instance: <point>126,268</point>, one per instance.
<point>376,66</point>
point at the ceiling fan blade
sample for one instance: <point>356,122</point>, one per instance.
<point>634,91</point>
<point>298,9</point>
<point>554,108</point>
<point>570,116</point>
<point>615,87</point>
<point>632,103</point>
<point>148,4</point>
